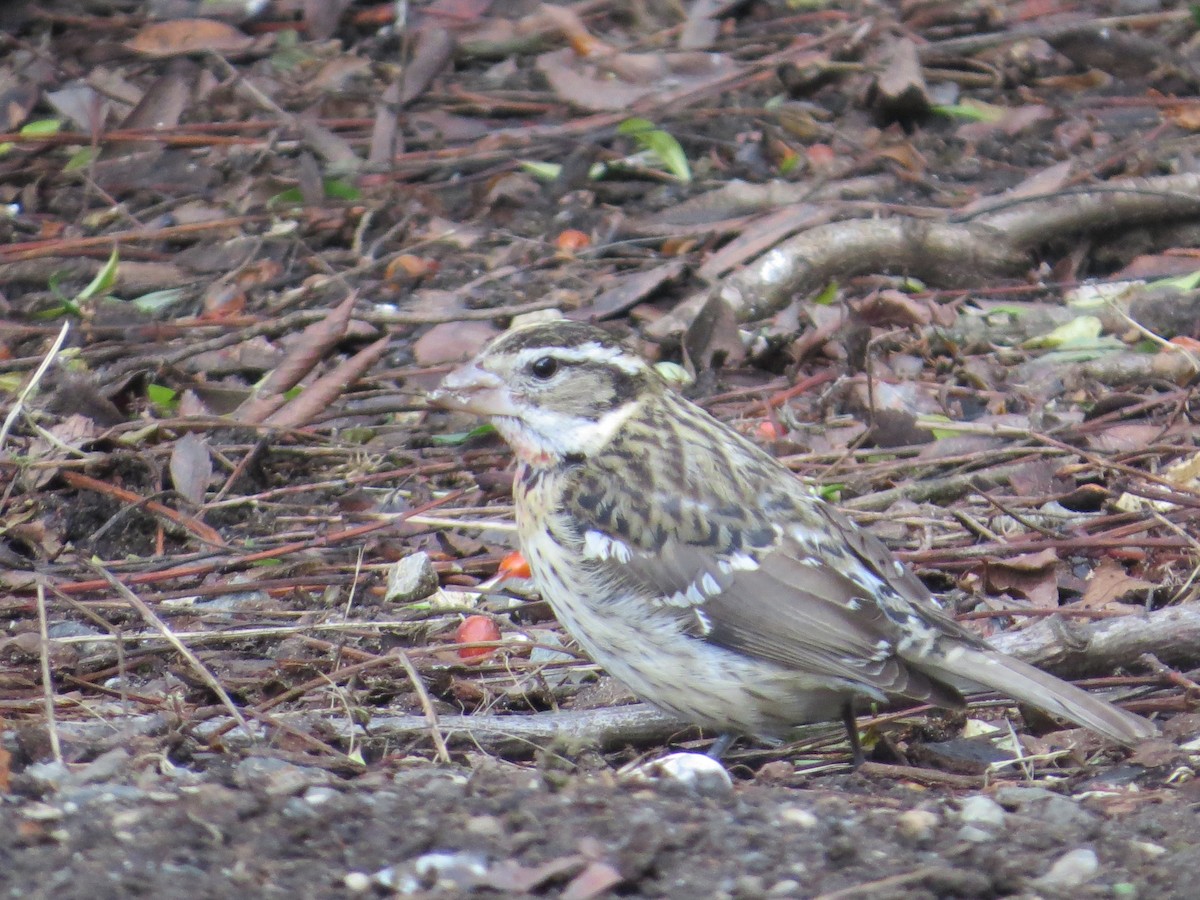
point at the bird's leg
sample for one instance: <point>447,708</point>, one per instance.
<point>721,746</point>
<point>851,732</point>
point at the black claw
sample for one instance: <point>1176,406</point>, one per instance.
<point>721,746</point>
<point>852,733</point>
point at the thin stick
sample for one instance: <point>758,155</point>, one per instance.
<point>33,382</point>
<point>435,731</point>
<point>47,685</point>
<point>159,625</point>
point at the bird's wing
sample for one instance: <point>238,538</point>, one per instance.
<point>810,592</point>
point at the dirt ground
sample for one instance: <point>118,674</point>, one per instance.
<point>237,552</point>
<point>260,827</point>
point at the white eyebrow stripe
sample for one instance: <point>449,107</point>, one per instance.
<point>590,352</point>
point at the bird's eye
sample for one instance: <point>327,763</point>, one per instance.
<point>544,368</point>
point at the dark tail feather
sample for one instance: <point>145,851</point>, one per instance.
<point>993,670</point>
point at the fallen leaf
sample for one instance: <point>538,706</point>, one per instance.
<point>191,467</point>
<point>180,36</point>
<point>1109,583</point>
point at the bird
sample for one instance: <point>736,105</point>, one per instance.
<point>702,573</point>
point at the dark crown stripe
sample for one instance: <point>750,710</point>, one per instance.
<point>563,335</point>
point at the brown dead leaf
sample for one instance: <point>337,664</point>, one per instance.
<point>452,342</point>
<point>433,52</point>
<point>315,342</point>
<point>191,467</point>
<point>223,300</point>
<point>1125,436</point>
<point>596,879</point>
<point>410,267</point>
<point>321,17</point>
<point>625,78</point>
<point>1185,115</point>
<point>510,877</point>
<point>567,21</point>
<point>1109,583</point>
<point>316,398</point>
<point>1033,576</point>
<point>891,308</point>
<point>180,36</point>
<point>630,290</point>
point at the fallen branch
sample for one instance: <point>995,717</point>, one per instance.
<point>948,253</point>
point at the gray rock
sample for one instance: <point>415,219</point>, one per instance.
<point>980,810</point>
<point>918,824</point>
<point>1070,870</point>
<point>277,777</point>
<point>974,834</point>
<point>411,579</point>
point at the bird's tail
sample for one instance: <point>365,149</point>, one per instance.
<point>995,671</point>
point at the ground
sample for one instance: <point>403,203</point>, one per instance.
<point>254,640</point>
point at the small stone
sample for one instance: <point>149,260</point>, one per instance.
<point>798,816</point>
<point>41,812</point>
<point>48,776</point>
<point>980,810</point>
<point>973,834</point>
<point>748,886</point>
<point>450,871</point>
<point>277,777</point>
<point>315,796</point>
<point>1071,870</point>
<point>917,824</point>
<point>700,774</point>
<point>1147,848</point>
<point>486,826</point>
<point>411,579</point>
<point>786,888</point>
<point>357,882</point>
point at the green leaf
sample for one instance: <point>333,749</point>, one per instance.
<point>828,294</point>
<point>162,396</point>
<point>542,171</point>
<point>674,374</point>
<point>661,143</point>
<point>461,437</point>
<point>290,197</point>
<point>289,54</point>
<point>157,301</point>
<point>831,493</point>
<point>41,128</point>
<point>338,189</point>
<point>635,125</point>
<point>927,421</point>
<point>105,279</point>
<point>972,111</point>
<point>1188,282</point>
<point>1082,331</point>
<point>65,307</point>
<point>81,159</point>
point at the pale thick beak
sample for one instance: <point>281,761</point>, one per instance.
<point>470,389</point>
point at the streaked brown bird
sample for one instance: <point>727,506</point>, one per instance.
<point>699,571</point>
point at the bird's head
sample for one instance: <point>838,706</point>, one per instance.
<point>554,390</point>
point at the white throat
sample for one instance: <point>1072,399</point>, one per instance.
<point>542,438</point>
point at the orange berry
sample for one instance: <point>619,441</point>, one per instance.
<point>472,630</point>
<point>513,566</point>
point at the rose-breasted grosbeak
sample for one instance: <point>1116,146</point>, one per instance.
<point>702,573</point>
